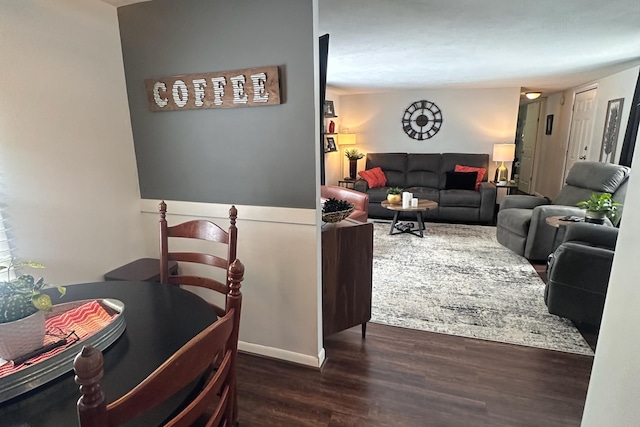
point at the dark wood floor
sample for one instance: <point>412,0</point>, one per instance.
<point>403,377</point>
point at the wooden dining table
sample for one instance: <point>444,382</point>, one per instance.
<point>159,320</point>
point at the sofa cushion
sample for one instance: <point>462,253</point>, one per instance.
<point>423,193</point>
<point>394,166</point>
<point>460,198</point>
<point>378,194</point>
<point>461,181</point>
<point>374,177</point>
<point>450,160</point>
<point>423,170</point>
<point>481,172</point>
<point>515,220</point>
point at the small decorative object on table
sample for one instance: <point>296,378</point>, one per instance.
<point>335,210</point>
<point>353,155</point>
<point>394,195</point>
<point>21,311</point>
<point>600,206</point>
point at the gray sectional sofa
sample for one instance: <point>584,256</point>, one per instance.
<point>424,175</point>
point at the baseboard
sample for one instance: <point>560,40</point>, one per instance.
<point>279,354</point>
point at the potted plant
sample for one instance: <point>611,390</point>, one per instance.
<point>394,195</point>
<point>353,155</point>
<point>22,307</point>
<point>600,206</point>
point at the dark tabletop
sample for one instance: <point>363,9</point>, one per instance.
<point>159,320</point>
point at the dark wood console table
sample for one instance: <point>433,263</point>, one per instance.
<point>347,264</point>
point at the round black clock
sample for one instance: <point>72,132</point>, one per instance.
<point>421,120</point>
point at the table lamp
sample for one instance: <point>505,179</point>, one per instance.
<point>502,153</point>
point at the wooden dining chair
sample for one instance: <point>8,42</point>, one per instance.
<point>212,405</point>
<point>203,230</point>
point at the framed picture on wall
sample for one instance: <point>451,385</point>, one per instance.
<point>331,145</point>
<point>329,110</point>
<point>549,128</point>
<point>611,130</point>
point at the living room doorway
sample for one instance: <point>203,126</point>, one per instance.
<point>526,150</point>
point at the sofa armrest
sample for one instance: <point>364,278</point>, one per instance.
<point>523,202</point>
<point>361,185</point>
<point>592,234</point>
<point>488,193</point>
<point>360,200</point>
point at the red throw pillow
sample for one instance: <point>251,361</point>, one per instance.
<point>481,172</point>
<point>374,177</point>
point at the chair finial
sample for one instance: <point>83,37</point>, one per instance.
<point>162,207</point>
<point>236,275</point>
<point>233,214</point>
<point>88,366</point>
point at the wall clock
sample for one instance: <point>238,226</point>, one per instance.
<point>421,120</point>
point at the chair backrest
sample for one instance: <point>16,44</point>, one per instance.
<point>203,230</point>
<point>210,355</point>
<point>586,178</point>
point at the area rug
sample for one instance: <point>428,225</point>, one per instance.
<point>459,280</point>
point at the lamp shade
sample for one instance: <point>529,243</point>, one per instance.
<point>347,138</point>
<point>532,95</point>
<point>503,152</point>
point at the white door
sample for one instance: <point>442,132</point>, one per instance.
<point>529,138</point>
<point>581,129</point>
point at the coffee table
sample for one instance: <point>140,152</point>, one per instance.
<point>423,205</point>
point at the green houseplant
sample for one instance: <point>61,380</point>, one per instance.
<point>22,307</point>
<point>599,206</point>
<point>353,155</point>
<point>394,195</point>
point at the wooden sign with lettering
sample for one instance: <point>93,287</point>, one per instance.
<point>225,89</point>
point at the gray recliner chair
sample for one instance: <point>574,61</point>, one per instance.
<point>579,273</point>
<point>521,224</point>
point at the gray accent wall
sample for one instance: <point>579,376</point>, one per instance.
<point>263,156</point>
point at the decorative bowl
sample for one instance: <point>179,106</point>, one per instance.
<point>336,216</point>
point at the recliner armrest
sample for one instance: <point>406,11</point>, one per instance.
<point>592,234</point>
<point>541,237</point>
<point>522,201</point>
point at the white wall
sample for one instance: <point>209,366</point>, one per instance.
<point>619,85</point>
<point>550,162</point>
<point>614,389</point>
<point>67,162</point>
<point>473,120</point>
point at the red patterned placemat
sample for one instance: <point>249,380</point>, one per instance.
<point>76,324</point>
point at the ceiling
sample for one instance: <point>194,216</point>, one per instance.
<point>541,45</point>
<point>545,45</point>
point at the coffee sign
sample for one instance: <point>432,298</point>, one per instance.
<point>226,89</point>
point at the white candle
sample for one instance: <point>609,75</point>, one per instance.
<point>406,199</point>
<point>414,203</point>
